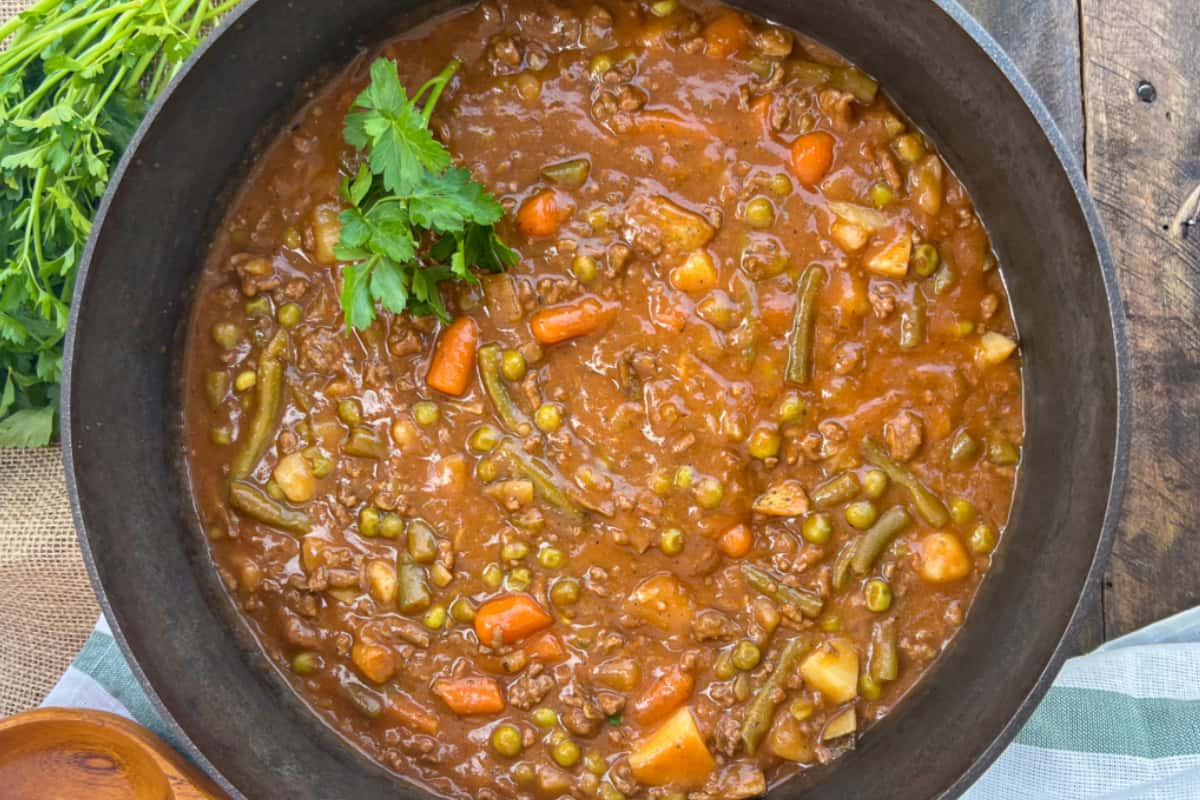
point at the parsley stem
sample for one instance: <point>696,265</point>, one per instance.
<point>436,84</point>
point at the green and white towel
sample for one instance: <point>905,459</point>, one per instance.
<point>1121,723</point>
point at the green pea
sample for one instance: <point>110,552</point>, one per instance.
<point>435,617</point>
<point>512,365</point>
<point>869,688</point>
<point>709,493</point>
<point>765,443</point>
<point>391,526</point>
<point>791,408</point>
<point>226,335</point>
<point>519,579</point>
<point>368,521</point>
<point>671,541</point>
<point>802,708</point>
<point>349,411</point>
<point>831,623</point>
<point>982,538</point>
<point>780,184</point>
<point>925,259</point>
<point>305,663</point>
<point>1002,452</point>
<point>565,592</point>
<point>514,551</point>
<point>724,668</point>
<point>493,576</point>
<point>551,557</point>
<point>661,482</point>
<point>487,469</point>
<point>288,315</point>
<point>221,435</point>
<point>684,477</point>
<point>462,611</point>
<point>506,740</point>
<point>909,147</point>
<point>882,195</point>
<point>245,380</point>
<point>524,773</point>
<point>483,439</point>
<point>962,510</point>
<point>862,514</point>
<point>878,595</point>
<point>875,483</point>
<point>320,463</point>
<point>760,213</point>
<point>963,328</point>
<point>817,529</point>
<point>585,268</point>
<point>566,753</point>
<point>746,655</point>
<point>545,717</point>
<point>548,417</point>
<point>426,412</point>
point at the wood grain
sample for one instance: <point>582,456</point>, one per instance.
<point>76,753</point>
<point>1143,161</point>
<point>1042,37</point>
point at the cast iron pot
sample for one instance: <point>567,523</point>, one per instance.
<point>138,528</point>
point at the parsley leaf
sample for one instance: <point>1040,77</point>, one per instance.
<point>415,221</point>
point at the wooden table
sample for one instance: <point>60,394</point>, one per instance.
<point>1122,77</point>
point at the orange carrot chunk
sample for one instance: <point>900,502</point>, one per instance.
<point>667,693</point>
<point>566,321</point>
<point>546,648</point>
<point>471,695</point>
<point>736,541</point>
<point>812,156</point>
<point>726,34</point>
<point>453,361</point>
<point>543,214</point>
<point>509,619</point>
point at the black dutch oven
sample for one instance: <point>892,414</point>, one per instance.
<point>139,531</point>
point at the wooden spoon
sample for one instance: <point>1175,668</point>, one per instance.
<point>77,753</point>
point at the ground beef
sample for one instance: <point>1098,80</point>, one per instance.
<point>528,690</point>
<point>904,434</point>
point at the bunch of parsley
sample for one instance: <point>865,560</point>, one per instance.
<point>415,220</point>
<point>75,79</point>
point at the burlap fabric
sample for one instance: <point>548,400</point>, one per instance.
<point>47,607</point>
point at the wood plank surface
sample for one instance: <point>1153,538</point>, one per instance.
<point>1042,37</point>
<point>1143,160</point>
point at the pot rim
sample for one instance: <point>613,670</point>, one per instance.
<point>1000,59</point>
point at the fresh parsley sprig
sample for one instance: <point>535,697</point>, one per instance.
<point>415,221</point>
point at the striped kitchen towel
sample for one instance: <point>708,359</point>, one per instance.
<point>1121,723</point>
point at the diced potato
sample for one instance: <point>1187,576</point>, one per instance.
<point>376,662</point>
<point>841,725</point>
<point>682,231</point>
<point>674,754</point>
<point>784,499</point>
<point>697,273</point>
<point>294,475</point>
<point>995,347</point>
<point>662,601</point>
<point>866,218</point>
<point>832,669</point>
<point>326,231</point>
<point>312,551</point>
<point>622,674</point>
<point>942,558</point>
<point>787,740</point>
<point>851,237</point>
<point>512,494</point>
<point>891,260</point>
<point>382,583</point>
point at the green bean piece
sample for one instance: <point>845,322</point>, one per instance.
<point>912,322</point>
<point>856,82</point>
<point>490,360</point>
<point>964,448</point>
<point>841,488</point>
<point>831,624</point>
<point>871,544</point>
<point>258,307</point>
<point>805,603</point>
<point>841,567</point>
<point>216,387</point>
<point>364,443</point>
<point>413,595</point>
<point>572,173</point>
<point>944,280</point>
<point>760,709</point>
<point>885,658</point>
<point>869,688</point>
<point>349,411</point>
<point>928,504</point>
<point>268,404</point>
<point>546,482</point>
<point>1002,452</point>
<point>253,502</point>
<point>422,543</point>
<point>800,355</point>
<point>808,73</point>
<point>367,702</point>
